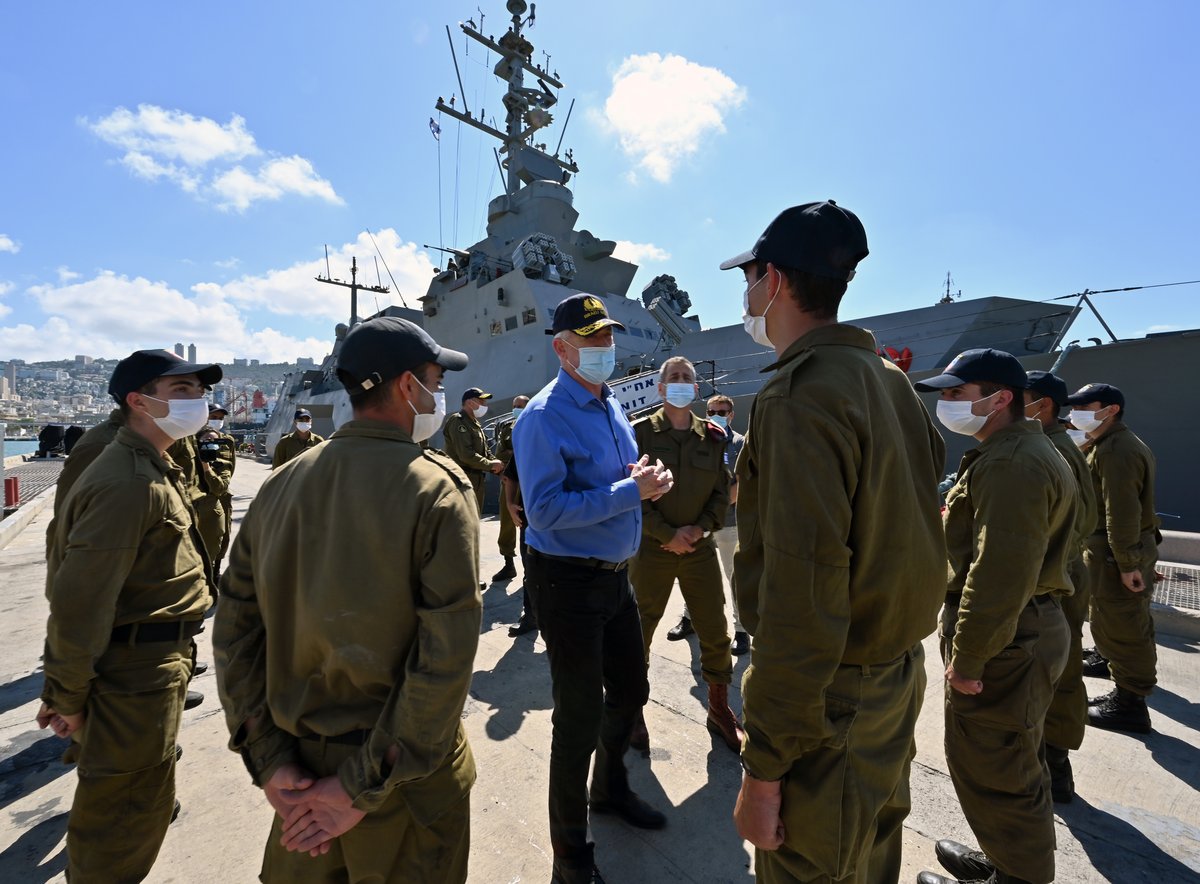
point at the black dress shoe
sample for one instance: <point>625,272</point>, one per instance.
<point>963,862</point>
<point>630,808</point>
<point>680,630</point>
<point>935,878</point>
<point>522,627</point>
<point>175,812</point>
<point>199,669</point>
<point>741,643</point>
<point>194,699</point>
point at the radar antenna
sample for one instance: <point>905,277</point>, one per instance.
<point>354,285</point>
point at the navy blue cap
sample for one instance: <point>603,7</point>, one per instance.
<point>1105,394</point>
<point>143,366</point>
<point>1049,385</point>
<point>819,238</point>
<point>973,366</point>
<point>301,412</point>
<point>582,314</point>
<point>475,393</point>
<point>216,407</point>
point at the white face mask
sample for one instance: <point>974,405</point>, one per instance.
<point>1086,420</point>
<point>1079,437</point>
<point>425,424</point>
<point>304,426</point>
<point>680,395</point>
<point>480,410</point>
<point>216,424</point>
<point>1032,404</point>
<point>958,417</point>
<point>185,417</point>
<point>596,364</point>
<point>756,326</point>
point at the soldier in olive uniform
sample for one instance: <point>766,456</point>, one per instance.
<point>466,443</point>
<point>1066,719</point>
<point>507,540</point>
<point>677,538</point>
<point>1121,557</point>
<point>344,658</point>
<point>840,567</point>
<point>214,475</point>
<point>227,458</point>
<point>296,442</point>
<point>128,584</point>
<point>1010,535</point>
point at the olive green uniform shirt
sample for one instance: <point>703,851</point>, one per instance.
<point>360,614</point>
<point>841,557</point>
<point>1122,469</point>
<point>700,495</point>
<point>209,504</point>
<point>291,445</point>
<point>1086,513</point>
<point>504,449</point>
<point>1010,535</point>
<point>86,449</point>
<point>124,551</point>
<point>467,445</point>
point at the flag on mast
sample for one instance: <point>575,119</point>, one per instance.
<point>435,129</point>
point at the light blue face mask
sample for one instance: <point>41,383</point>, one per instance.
<point>517,413</point>
<point>596,364</point>
<point>680,395</point>
<point>720,420</point>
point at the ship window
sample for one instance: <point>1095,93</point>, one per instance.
<point>510,323</point>
<point>636,332</point>
<point>529,317</point>
<point>497,327</point>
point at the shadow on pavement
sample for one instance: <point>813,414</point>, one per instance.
<point>34,764</point>
<point>1139,857</point>
<point>1177,708</point>
<point>25,860</point>
<point>518,684</point>
<point>20,691</point>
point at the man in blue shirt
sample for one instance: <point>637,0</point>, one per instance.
<point>583,487</point>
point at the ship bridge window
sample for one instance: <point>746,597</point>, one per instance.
<point>497,327</point>
<point>529,317</point>
<point>510,323</point>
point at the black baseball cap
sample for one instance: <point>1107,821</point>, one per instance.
<point>301,412</point>
<point>1105,394</point>
<point>143,366</point>
<point>820,238</point>
<point>973,366</point>
<point>217,408</point>
<point>582,314</point>
<point>386,347</point>
<point>475,393</point>
<point>1050,385</point>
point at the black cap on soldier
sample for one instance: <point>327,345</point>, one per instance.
<point>973,366</point>
<point>302,413</point>
<point>143,366</point>
<point>819,238</point>
<point>1105,394</point>
<point>384,348</point>
<point>1049,385</point>
<point>582,314</point>
<point>475,393</point>
<point>217,408</point>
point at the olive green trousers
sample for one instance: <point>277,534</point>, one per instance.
<point>1121,621</point>
<point>653,573</point>
<point>1066,719</point>
<point>845,802</point>
<point>507,541</point>
<point>126,762</point>
<point>994,747</point>
<point>421,843</point>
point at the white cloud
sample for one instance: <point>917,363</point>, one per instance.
<point>663,107</point>
<point>66,274</point>
<point>639,252</point>
<point>204,158</point>
<point>294,291</point>
<point>1162,328</point>
<point>228,263</point>
<point>6,287</point>
<point>175,135</point>
<point>7,244</point>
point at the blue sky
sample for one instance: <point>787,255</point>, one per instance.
<point>172,172</point>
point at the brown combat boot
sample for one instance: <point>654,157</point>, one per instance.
<point>721,720</point>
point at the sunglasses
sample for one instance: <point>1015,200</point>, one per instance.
<point>713,412</point>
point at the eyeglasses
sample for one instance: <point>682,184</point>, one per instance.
<point>712,412</point>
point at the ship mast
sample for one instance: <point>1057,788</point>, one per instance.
<point>527,108</point>
<point>353,285</point>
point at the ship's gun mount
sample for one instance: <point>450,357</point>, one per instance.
<point>539,257</point>
<point>668,303</point>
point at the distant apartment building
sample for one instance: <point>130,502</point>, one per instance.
<point>10,374</point>
<point>83,360</point>
<point>254,362</point>
<point>305,362</point>
<point>191,357</point>
<point>179,350</point>
<point>242,361</point>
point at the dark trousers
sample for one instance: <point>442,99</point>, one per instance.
<point>589,620</point>
<point>528,606</point>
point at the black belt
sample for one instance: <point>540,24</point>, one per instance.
<point>599,564</point>
<point>157,631</point>
<point>954,599</point>
<point>350,738</point>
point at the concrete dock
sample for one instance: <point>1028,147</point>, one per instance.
<point>1136,817</point>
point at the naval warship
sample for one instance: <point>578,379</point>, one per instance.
<point>494,300</point>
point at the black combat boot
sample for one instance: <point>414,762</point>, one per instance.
<point>1124,711</point>
<point>680,630</point>
<point>1062,780</point>
<point>1094,665</point>
<point>508,572</point>
<point>1103,698</point>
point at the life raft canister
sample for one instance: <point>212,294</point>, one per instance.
<point>901,358</point>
